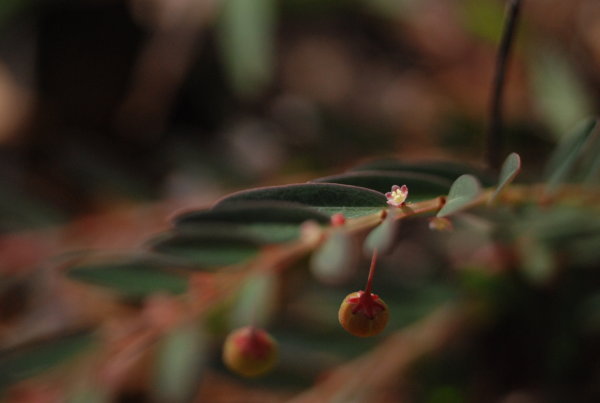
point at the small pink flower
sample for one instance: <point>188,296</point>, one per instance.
<point>397,197</point>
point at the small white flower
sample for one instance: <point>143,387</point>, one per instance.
<point>397,197</point>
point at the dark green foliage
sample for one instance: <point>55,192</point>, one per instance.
<point>445,169</point>
<point>352,201</point>
<point>27,361</point>
<point>265,222</point>
<point>131,277</point>
<point>205,247</point>
<point>422,186</point>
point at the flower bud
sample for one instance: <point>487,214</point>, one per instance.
<point>363,314</point>
<point>249,351</point>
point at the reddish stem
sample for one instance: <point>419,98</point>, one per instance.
<point>369,285</point>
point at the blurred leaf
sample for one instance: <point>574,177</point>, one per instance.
<point>484,19</point>
<point>205,247</point>
<point>383,236</point>
<point>336,259</point>
<point>537,261</point>
<point>510,169</point>
<point>133,277</point>
<point>255,302</point>
<point>265,222</point>
<point>559,225</point>
<point>567,153</point>
<point>262,211</point>
<point>421,186</point>
<point>28,361</point>
<point>561,96</point>
<point>464,191</point>
<point>447,170</point>
<point>352,201</point>
<point>246,35</point>
<point>87,392</point>
<point>588,169</point>
<point>179,364</point>
<point>19,210</point>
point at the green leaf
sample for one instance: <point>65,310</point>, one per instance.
<point>483,19</point>
<point>510,169</point>
<point>336,259</point>
<point>464,192</point>
<point>447,170</point>
<point>255,302</point>
<point>559,225</point>
<point>537,261</point>
<point>421,186</point>
<point>562,97</point>
<point>587,168</point>
<point>179,363</point>
<point>566,155</point>
<point>28,361</point>
<point>383,236</point>
<point>327,198</point>
<point>246,37</point>
<point>205,247</point>
<point>130,277</point>
<point>266,222</point>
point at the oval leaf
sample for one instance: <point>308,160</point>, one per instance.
<point>329,198</point>
<point>255,302</point>
<point>422,186</point>
<point>130,277</point>
<point>262,211</point>
<point>246,37</point>
<point>205,247</point>
<point>336,259</point>
<point>179,363</point>
<point>566,155</point>
<point>28,361</point>
<point>510,169</point>
<point>463,193</point>
<point>448,170</point>
<point>265,222</point>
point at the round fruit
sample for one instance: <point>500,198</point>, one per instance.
<point>363,314</point>
<point>249,351</point>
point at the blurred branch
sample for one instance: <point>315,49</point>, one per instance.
<point>383,368</point>
<point>494,134</point>
<point>163,63</point>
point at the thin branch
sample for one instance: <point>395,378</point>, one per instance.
<point>494,134</point>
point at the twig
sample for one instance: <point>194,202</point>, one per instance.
<point>494,134</point>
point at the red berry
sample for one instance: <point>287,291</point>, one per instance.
<point>363,314</point>
<point>249,351</point>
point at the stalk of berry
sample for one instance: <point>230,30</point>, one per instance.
<point>363,313</point>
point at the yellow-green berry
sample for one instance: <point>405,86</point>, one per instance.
<point>363,314</point>
<point>250,352</point>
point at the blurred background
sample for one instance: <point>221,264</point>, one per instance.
<point>106,102</point>
<point>115,114</point>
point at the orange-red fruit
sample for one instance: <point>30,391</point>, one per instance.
<point>250,352</point>
<point>363,314</point>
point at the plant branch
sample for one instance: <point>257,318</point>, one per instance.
<point>494,133</point>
